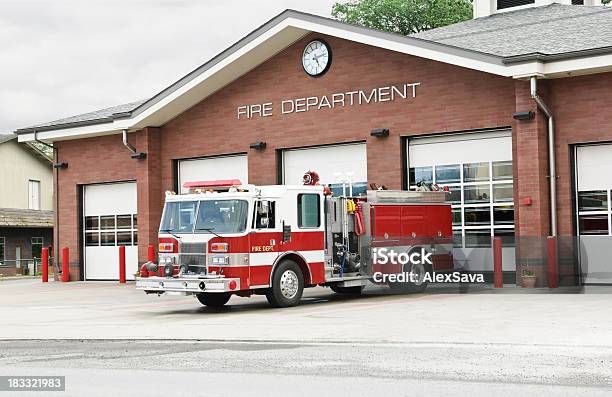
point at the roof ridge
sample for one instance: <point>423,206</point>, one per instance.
<point>601,10</point>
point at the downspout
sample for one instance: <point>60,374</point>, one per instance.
<point>126,143</point>
<point>56,209</point>
<point>134,154</point>
<point>551,155</point>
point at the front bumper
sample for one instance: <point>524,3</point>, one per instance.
<point>187,285</point>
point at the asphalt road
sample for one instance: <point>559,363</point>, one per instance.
<point>109,339</point>
<point>188,368</point>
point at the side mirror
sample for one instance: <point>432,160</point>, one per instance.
<point>286,233</point>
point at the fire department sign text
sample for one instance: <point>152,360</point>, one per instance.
<point>331,101</point>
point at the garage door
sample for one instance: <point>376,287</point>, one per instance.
<point>213,168</point>
<point>330,162</point>
<point>109,213</point>
<point>477,168</point>
<point>594,208</point>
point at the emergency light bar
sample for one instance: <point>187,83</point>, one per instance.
<point>221,184</point>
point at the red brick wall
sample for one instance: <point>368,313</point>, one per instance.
<point>583,109</point>
<point>449,99</point>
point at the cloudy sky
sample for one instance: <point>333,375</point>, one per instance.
<point>61,57</point>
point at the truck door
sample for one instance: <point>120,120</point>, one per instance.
<point>264,241</point>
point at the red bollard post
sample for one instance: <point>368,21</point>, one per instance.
<point>498,276</point>
<point>552,262</point>
<point>45,264</point>
<point>151,253</point>
<point>65,265</point>
<point>122,264</point>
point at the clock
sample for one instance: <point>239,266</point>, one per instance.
<point>316,58</point>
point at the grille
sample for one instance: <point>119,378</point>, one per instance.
<point>194,256</point>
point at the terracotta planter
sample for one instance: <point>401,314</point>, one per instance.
<point>529,281</point>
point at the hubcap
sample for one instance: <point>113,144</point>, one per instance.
<point>289,284</point>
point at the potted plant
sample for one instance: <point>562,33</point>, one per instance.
<point>529,279</point>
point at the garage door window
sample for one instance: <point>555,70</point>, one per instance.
<point>482,198</point>
<point>309,211</point>
<point>111,230</point>
<point>594,212</point>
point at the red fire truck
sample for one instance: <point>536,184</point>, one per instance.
<point>223,238</point>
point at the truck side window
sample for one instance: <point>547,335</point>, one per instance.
<point>265,215</point>
<point>309,210</point>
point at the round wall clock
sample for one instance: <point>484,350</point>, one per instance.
<point>316,58</point>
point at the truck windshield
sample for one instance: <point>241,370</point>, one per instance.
<point>222,216</point>
<point>179,217</point>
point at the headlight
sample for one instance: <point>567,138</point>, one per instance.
<point>220,260</point>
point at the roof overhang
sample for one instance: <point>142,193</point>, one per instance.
<point>278,34</point>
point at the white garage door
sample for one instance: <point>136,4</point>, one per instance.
<point>477,168</point>
<point>213,168</point>
<point>330,162</point>
<point>110,220</point>
<point>594,186</point>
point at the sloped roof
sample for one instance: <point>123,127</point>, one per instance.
<point>488,44</point>
<point>553,30</point>
<point>101,116</point>
<point>12,217</point>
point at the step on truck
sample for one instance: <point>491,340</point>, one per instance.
<point>223,238</point>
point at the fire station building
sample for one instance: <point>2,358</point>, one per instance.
<point>511,110</point>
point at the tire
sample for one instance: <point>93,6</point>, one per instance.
<point>412,287</point>
<point>213,299</point>
<point>347,290</point>
<point>287,285</point>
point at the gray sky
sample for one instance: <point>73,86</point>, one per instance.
<point>61,58</point>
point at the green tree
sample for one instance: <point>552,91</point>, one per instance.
<point>402,16</point>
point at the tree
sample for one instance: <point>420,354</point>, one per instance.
<point>403,16</point>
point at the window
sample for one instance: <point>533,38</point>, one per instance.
<point>593,224</point>
<point>264,215</point>
<point>477,216</point>
<point>179,217</point>
<point>502,192</point>
<point>448,174</point>
<point>476,172</point>
<point>34,195</point>
<point>502,4</point>
<point>593,201</point>
<point>476,194</point>
<point>594,212</point>
<point>482,199</point>
<point>421,174</point>
<point>222,216</point>
<point>502,170</point>
<point>111,230</point>
<point>478,238</point>
<point>37,245</point>
<point>309,210</point>
<point>1,250</point>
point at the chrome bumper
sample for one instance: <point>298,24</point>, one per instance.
<point>186,285</point>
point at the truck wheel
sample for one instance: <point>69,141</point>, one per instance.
<point>287,285</point>
<point>409,287</point>
<point>213,299</point>
<point>347,290</point>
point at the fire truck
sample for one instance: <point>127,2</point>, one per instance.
<point>223,238</point>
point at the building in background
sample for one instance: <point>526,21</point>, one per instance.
<point>26,204</point>
<point>457,105</point>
